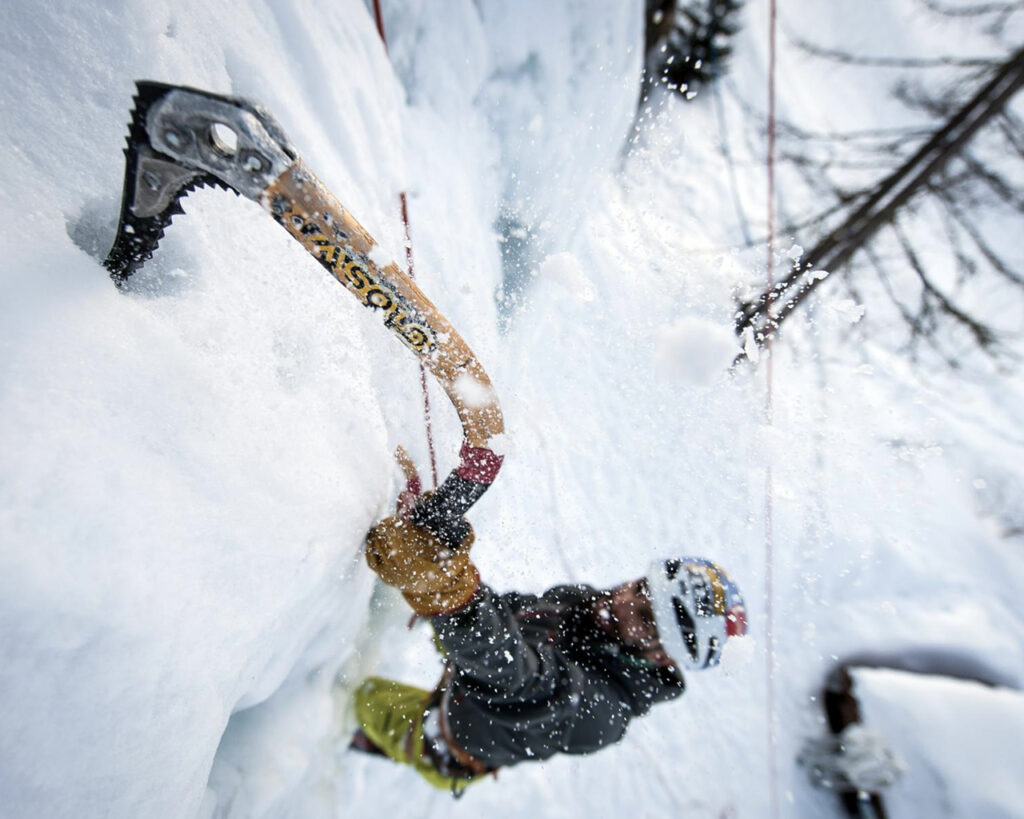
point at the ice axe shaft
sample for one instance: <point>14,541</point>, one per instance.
<point>182,138</point>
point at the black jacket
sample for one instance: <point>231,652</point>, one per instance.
<point>535,676</point>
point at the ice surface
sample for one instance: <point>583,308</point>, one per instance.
<point>189,467</point>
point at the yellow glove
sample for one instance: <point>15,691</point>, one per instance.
<point>432,578</point>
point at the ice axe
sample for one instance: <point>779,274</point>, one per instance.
<point>182,138</point>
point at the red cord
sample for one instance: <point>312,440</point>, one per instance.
<point>423,370</point>
<point>769,559</point>
<point>408,259</point>
<point>380,23</point>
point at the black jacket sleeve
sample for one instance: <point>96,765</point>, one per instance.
<point>491,657</point>
<point>523,687</point>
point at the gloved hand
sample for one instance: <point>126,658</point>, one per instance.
<point>433,578</point>
<point>413,485</point>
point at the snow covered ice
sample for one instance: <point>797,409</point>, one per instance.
<point>189,467</point>
<point>565,270</point>
<point>696,351</point>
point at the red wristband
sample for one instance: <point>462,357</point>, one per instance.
<point>478,464</point>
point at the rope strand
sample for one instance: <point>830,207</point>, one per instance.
<point>404,205</point>
<point>769,558</point>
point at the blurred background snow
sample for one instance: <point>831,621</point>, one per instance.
<point>189,467</point>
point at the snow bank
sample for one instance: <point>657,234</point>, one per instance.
<point>960,741</point>
<point>187,469</point>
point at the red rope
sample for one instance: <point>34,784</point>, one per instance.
<point>403,202</point>
<point>423,370</point>
<point>769,558</point>
<point>380,23</point>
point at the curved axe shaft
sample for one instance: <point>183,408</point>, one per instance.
<point>183,138</point>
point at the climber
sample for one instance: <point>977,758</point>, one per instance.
<point>527,677</point>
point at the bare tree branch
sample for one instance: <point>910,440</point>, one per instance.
<point>983,335</point>
<point>886,281</point>
<point>968,227</point>
<point>896,133</point>
<point>996,183</point>
<point>917,331</point>
<point>793,227</point>
<point>884,202</point>
<point>972,11</point>
<point>888,62</point>
<point>1013,131</point>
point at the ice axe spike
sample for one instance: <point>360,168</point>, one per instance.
<point>182,138</point>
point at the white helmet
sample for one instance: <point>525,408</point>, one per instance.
<point>696,608</point>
